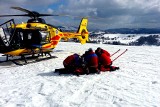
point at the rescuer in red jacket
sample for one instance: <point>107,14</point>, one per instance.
<point>100,50</point>
<point>91,61</point>
<point>71,63</point>
<point>105,62</point>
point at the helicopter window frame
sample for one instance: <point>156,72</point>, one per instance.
<point>35,37</point>
<point>45,35</point>
<point>7,35</point>
<point>8,30</point>
<point>25,38</point>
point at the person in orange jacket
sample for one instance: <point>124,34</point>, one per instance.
<point>105,62</point>
<point>91,61</point>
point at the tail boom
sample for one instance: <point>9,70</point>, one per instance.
<point>82,33</point>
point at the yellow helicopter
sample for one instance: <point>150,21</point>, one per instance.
<point>35,36</point>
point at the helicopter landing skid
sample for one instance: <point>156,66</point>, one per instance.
<point>29,60</point>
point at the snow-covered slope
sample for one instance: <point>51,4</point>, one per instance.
<point>136,84</point>
<point>125,39</point>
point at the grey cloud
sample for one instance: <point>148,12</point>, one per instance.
<point>117,13</point>
<point>36,5</point>
<point>28,4</point>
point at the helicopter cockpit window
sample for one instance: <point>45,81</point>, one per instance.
<point>45,36</point>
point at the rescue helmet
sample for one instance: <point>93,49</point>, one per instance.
<point>90,49</point>
<point>99,48</point>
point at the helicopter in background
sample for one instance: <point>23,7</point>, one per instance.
<point>35,36</point>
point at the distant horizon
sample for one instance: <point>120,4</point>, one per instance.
<point>125,28</point>
<point>131,30</point>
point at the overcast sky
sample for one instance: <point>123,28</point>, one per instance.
<point>103,14</point>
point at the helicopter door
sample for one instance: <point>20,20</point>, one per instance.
<point>2,37</point>
<point>6,31</point>
<point>2,43</point>
<point>31,38</point>
<point>36,38</point>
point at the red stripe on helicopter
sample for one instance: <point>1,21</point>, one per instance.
<point>55,42</point>
<point>60,35</point>
<point>65,34</point>
<point>55,37</point>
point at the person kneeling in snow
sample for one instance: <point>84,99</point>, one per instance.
<point>100,50</point>
<point>105,63</point>
<point>91,61</point>
<point>72,65</point>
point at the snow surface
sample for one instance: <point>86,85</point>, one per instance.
<point>136,84</point>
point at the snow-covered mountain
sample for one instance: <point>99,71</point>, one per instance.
<point>135,30</point>
<point>136,84</point>
<point>125,39</point>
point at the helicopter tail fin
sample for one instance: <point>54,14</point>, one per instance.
<point>81,34</point>
<point>82,30</point>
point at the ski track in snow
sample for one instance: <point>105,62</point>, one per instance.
<point>136,84</point>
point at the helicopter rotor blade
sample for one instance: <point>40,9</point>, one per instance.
<point>34,14</point>
<point>30,13</point>
<point>13,15</point>
<point>48,15</point>
<point>22,9</point>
